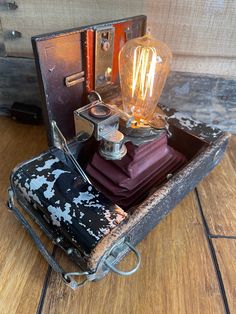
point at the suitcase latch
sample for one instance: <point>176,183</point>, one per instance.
<point>104,43</point>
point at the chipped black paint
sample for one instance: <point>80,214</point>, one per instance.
<point>186,123</point>
<point>77,209</point>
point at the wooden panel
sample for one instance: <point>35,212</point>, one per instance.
<point>176,275</point>
<point>226,256</point>
<point>23,269</point>
<point>218,195</point>
<point>2,45</point>
<point>188,27</point>
<point>206,98</point>
<point>37,17</point>
<point>191,28</point>
<point>18,82</point>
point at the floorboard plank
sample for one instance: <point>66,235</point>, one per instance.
<point>22,268</point>
<point>232,151</point>
<point>176,275</point>
<point>226,256</point>
<point>19,142</point>
<point>217,193</point>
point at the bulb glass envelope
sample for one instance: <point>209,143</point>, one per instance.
<point>144,64</point>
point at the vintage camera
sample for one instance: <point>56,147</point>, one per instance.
<point>123,162</point>
<point>117,163</point>
<point>101,121</point>
<point>112,127</point>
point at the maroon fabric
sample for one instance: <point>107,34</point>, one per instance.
<point>126,181</point>
<point>130,163</point>
<point>133,169</point>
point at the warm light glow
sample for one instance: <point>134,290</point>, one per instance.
<point>143,71</point>
<point>144,66</point>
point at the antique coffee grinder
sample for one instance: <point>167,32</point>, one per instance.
<point>132,133</point>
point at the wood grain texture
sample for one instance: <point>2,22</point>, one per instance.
<point>18,82</point>
<point>2,45</point>
<point>231,151</point>
<point>193,29</point>
<point>218,195</point>
<point>19,142</point>
<point>206,98</point>
<point>226,256</point>
<point>176,275</point>
<point>21,266</point>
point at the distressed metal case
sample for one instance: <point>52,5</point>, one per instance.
<point>68,68</point>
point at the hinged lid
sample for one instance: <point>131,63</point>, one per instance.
<point>72,62</point>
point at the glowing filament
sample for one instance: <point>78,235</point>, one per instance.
<point>144,65</point>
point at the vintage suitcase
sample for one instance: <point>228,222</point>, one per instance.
<point>82,218</point>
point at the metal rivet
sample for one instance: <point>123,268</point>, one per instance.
<point>217,155</point>
<point>69,251</point>
<point>59,239</point>
<point>105,45</point>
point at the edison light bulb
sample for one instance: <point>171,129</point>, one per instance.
<point>144,64</point>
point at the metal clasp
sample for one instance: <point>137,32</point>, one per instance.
<point>68,278</point>
<point>60,143</point>
<point>120,272</point>
<point>74,79</point>
<point>10,202</point>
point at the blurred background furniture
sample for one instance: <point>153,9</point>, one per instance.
<point>200,33</point>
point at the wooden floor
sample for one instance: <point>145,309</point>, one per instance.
<point>188,260</point>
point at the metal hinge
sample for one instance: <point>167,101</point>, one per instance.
<point>104,44</point>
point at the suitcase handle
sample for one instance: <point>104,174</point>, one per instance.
<point>129,272</point>
<point>66,276</point>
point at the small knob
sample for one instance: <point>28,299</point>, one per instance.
<point>105,45</point>
<point>112,146</point>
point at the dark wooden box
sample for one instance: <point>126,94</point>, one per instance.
<point>62,55</point>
